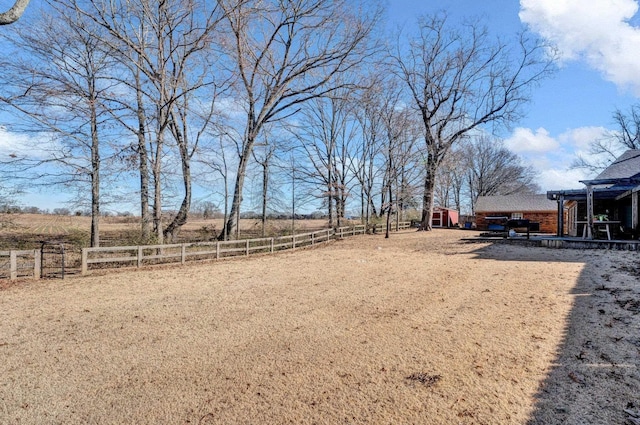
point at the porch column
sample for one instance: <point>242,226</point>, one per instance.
<point>589,211</point>
<point>634,210</point>
<point>560,231</point>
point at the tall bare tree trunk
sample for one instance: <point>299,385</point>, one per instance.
<point>183,212</point>
<point>265,188</point>
<point>95,176</point>
<point>427,197</point>
<point>157,188</point>
<point>234,215</point>
<point>143,157</point>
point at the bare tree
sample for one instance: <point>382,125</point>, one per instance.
<point>326,132</point>
<point>286,53</point>
<point>605,150</point>
<point>492,169</point>
<point>264,161</point>
<point>13,14</point>
<point>365,163</point>
<point>452,178</point>
<point>401,169</point>
<point>409,170</point>
<point>216,167</point>
<point>627,135</point>
<point>59,84</point>
<point>167,47</point>
<point>460,79</point>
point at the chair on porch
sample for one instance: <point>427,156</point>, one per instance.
<point>601,232</point>
<point>626,233</point>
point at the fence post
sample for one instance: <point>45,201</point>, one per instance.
<point>140,255</point>
<point>272,244</point>
<point>13,260</point>
<point>328,235</point>
<point>36,263</point>
<point>293,243</point>
<point>183,253</point>
<point>217,250</point>
<point>313,239</point>
<point>85,257</point>
<point>247,247</point>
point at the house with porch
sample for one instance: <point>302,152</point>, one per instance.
<point>607,207</point>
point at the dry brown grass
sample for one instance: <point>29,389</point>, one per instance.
<point>419,328</point>
<point>27,231</point>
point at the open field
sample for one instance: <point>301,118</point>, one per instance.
<point>26,231</point>
<point>416,329</point>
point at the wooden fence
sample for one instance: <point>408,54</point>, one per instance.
<point>181,253</point>
<point>28,263</point>
<point>20,263</point>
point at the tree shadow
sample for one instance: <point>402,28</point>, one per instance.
<point>594,378</point>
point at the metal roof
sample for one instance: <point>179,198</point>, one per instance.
<point>515,203</point>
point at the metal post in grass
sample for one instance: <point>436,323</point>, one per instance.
<point>247,247</point>
<point>293,245</point>
<point>183,253</point>
<point>272,244</point>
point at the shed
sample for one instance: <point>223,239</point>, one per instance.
<point>444,217</point>
<point>536,208</point>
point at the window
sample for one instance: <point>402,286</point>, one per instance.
<point>517,216</point>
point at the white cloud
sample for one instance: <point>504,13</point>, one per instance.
<point>580,139</point>
<point>561,178</point>
<point>524,140</point>
<point>18,145</point>
<point>598,32</point>
<point>552,156</point>
<point>14,144</point>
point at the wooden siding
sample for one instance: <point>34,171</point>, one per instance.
<point>548,219</point>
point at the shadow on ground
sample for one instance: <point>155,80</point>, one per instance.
<point>595,378</point>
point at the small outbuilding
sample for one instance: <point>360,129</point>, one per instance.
<point>499,208</point>
<point>444,217</point>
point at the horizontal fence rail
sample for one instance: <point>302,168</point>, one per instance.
<point>137,256</point>
<point>20,263</point>
<point>16,264</point>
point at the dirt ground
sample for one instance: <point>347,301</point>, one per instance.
<point>421,328</point>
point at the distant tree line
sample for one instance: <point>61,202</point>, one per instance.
<point>262,105</point>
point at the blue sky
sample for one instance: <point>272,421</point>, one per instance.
<point>599,71</point>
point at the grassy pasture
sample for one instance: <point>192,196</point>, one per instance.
<point>26,231</point>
